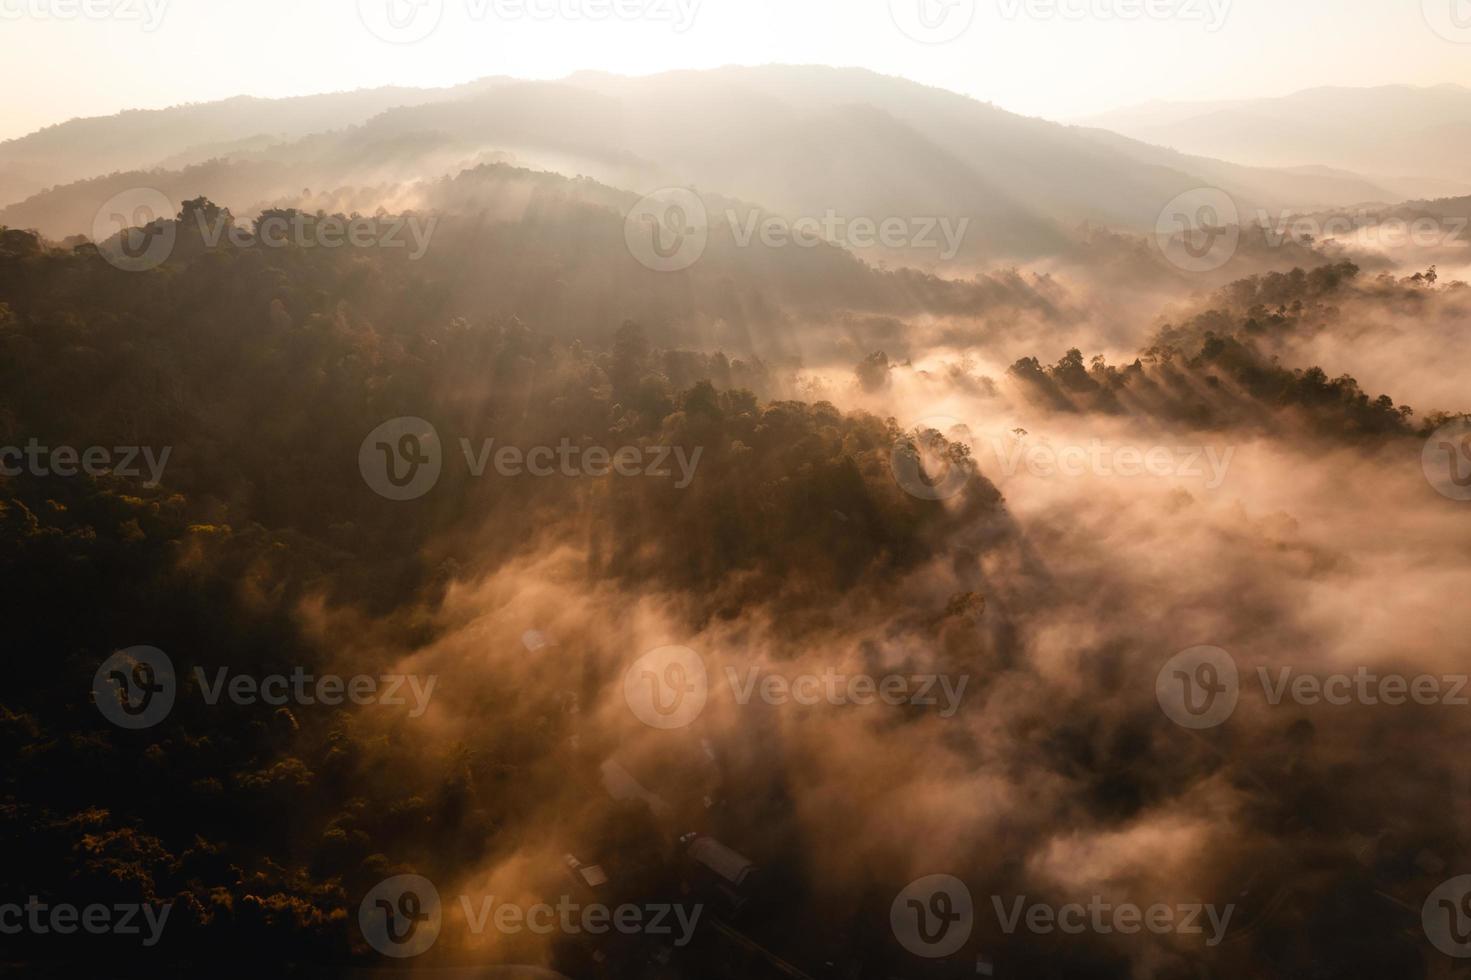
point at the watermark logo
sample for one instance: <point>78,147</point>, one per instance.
<point>1199,230</point>
<point>148,13</point>
<point>1447,917</point>
<point>401,459</point>
<point>668,230</point>
<point>401,21</point>
<point>933,916</point>
<point>401,916</point>
<point>933,21</point>
<point>1451,19</point>
<point>135,230</point>
<point>932,461</point>
<point>667,688</point>
<point>1199,688</point>
<point>135,688</point>
<point>1446,460</point>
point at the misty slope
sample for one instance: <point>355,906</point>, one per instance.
<point>800,141</point>
<point>180,135</point>
<point>796,546</point>
<point>509,242</point>
<point>1420,136</point>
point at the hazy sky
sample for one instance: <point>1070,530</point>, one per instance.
<point>1055,58</point>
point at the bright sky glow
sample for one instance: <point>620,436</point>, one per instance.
<point>1056,58</point>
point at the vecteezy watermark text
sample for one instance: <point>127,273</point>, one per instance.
<point>943,235</point>
<point>403,916</point>
<point>933,917</point>
<point>303,688</point>
<point>136,688</point>
<point>573,461</point>
<point>834,687</point>
<point>1100,459</point>
<point>149,13</point>
<point>1200,688</point>
<point>1103,918</point>
<point>1211,13</point>
<point>121,919</point>
<point>669,230</point>
<point>67,461</point>
<point>669,687</point>
<point>402,460</point>
<point>410,21</point>
<point>1365,227</point>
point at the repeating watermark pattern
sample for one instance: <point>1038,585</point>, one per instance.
<point>403,917</point>
<point>1362,687</point>
<point>669,687</point>
<point>69,461</point>
<point>1211,13</point>
<point>1201,687</point>
<point>566,459</point>
<point>136,688</point>
<point>39,918</point>
<point>135,230</point>
<point>933,21</point>
<point>668,230</point>
<point>301,230</point>
<point>1100,459</point>
<point>411,21</point>
<point>1451,19</point>
<point>1106,918</point>
<point>1199,230</point>
<point>943,235</point>
<point>1446,916</point>
<point>302,688</point>
<point>1365,227</point>
<point>148,14</point>
<point>402,460</point>
<point>933,916</point>
<point>932,461</point>
<point>835,688</point>
<point>1446,460</point>
<point>575,918</point>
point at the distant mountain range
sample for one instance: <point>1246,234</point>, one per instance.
<point>1415,140</point>
<point>799,141</point>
